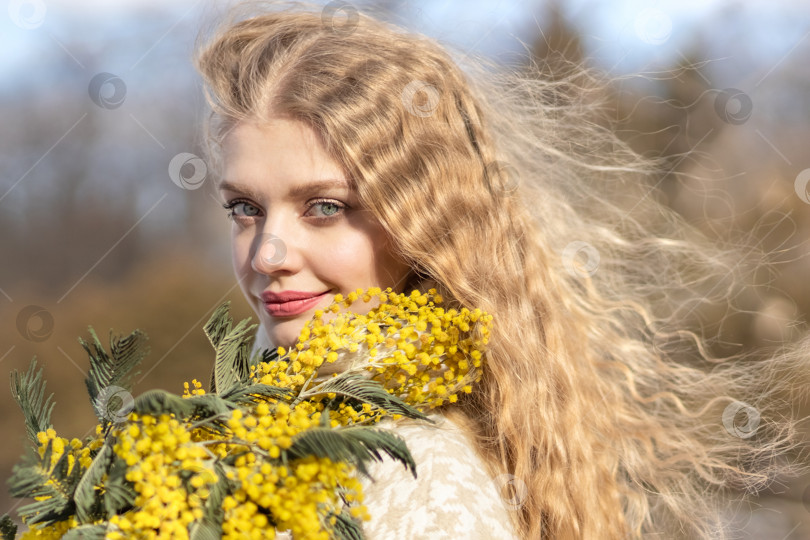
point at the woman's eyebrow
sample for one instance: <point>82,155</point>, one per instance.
<point>296,191</point>
<point>225,185</point>
<point>319,185</point>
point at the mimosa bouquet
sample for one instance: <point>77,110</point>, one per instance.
<point>278,443</point>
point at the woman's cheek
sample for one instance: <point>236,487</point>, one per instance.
<point>238,254</point>
<point>349,255</point>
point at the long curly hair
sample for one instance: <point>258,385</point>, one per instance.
<point>509,193</point>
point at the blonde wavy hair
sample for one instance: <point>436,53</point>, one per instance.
<point>609,415</point>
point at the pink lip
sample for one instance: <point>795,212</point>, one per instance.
<point>290,303</point>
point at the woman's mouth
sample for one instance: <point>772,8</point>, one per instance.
<point>291,308</point>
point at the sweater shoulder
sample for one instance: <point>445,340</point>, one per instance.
<point>452,496</point>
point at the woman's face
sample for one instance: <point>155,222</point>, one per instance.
<point>298,227</point>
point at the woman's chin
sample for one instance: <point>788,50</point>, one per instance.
<point>284,339</point>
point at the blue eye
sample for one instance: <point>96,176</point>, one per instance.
<point>329,208</point>
<point>248,209</point>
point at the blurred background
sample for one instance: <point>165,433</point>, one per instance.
<point>103,222</point>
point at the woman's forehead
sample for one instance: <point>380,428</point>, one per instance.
<point>283,149</point>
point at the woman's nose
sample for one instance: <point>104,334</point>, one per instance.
<point>270,254</point>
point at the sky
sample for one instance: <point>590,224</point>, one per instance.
<point>622,35</point>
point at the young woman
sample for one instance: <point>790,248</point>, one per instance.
<point>360,155</point>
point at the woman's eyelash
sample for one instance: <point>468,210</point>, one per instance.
<point>229,206</point>
<point>340,206</point>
